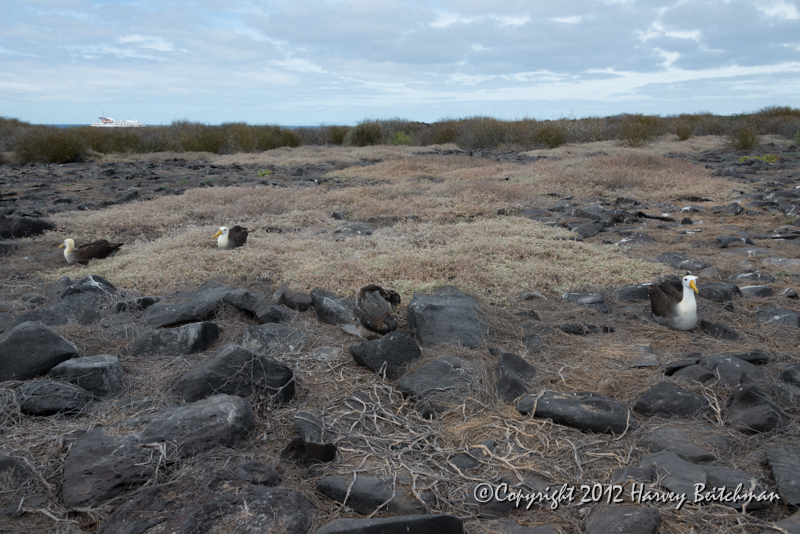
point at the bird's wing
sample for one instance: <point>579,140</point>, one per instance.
<point>97,250</point>
<point>238,235</point>
<point>663,300</point>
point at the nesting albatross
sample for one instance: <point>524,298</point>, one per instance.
<point>671,307</point>
<point>375,312</point>
<point>229,238</point>
<point>90,251</point>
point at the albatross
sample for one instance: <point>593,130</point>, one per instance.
<point>671,307</point>
<point>375,311</point>
<point>229,238</point>
<point>84,253</point>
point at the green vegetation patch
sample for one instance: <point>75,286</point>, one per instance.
<point>766,158</point>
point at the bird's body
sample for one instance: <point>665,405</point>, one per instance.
<point>672,308</point>
<point>375,315</point>
<point>90,251</point>
<point>228,238</point>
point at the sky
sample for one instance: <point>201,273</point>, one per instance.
<point>312,62</point>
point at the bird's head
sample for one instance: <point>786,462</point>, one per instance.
<point>67,244</point>
<point>393,298</point>
<point>690,281</point>
<point>223,230</point>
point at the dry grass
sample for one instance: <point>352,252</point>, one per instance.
<point>499,257</point>
<point>436,197</point>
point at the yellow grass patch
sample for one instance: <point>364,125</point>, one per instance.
<point>430,200</point>
<point>497,258</point>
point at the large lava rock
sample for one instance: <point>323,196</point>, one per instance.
<point>100,375</point>
<point>445,316</point>
<point>30,350</point>
<point>235,370</point>
<point>214,500</point>
<point>101,466</point>
<point>20,227</point>
<point>392,353</point>
<point>187,339</point>
<point>583,410</point>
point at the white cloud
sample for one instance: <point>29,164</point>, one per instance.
<point>569,20</point>
<point>669,57</point>
<point>685,34</point>
<point>466,79</point>
<point>147,41</point>
<point>445,19</point>
<point>298,65</point>
<point>779,9</point>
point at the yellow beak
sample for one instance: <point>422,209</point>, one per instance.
<point>219,233</point>
<point>693,286</point>
<point>62,245</point>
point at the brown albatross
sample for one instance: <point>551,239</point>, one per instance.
<point>229,238</point>
<point>90,251</point>
<point>375,311</point>
<point>671,307</point>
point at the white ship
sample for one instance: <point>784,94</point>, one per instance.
<point>106,122</point>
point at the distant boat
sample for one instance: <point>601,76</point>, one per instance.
<point>106,122</point>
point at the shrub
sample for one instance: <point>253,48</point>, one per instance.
<point>10,131</point>
<point>708,124</point>
<point>401,138</point>
<point>441,133</point>
<point>588,130</point>
<point>551,134</point>
<point>481,132</point>
<point>365,133</point>
<point>240,137</point>
<point>335,135</point>
<point>779,111</point>
<point>48,144</point>
<point>267,137</point>
<point>289,137</point>
<point>684,129</point>
<point>639,129</point>
<point>744,136</point>
<point>197,137</point>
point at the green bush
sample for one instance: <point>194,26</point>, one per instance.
<point>401,138</point>
<point>336,134</point>
<point>745,136</point>
<point>684,129</point>
<point>240,137</point>
<point>365,133</point>
<point>198,137</point>
<point>48,144</point>
<point>551,134</point>
<point>289,137</point>
<point>639,129</point>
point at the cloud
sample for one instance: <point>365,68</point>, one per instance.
<point>147,41</point>
<point>779,9</point>
<point>222,60</point>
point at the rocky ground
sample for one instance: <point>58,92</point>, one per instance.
<point>125,412</point>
